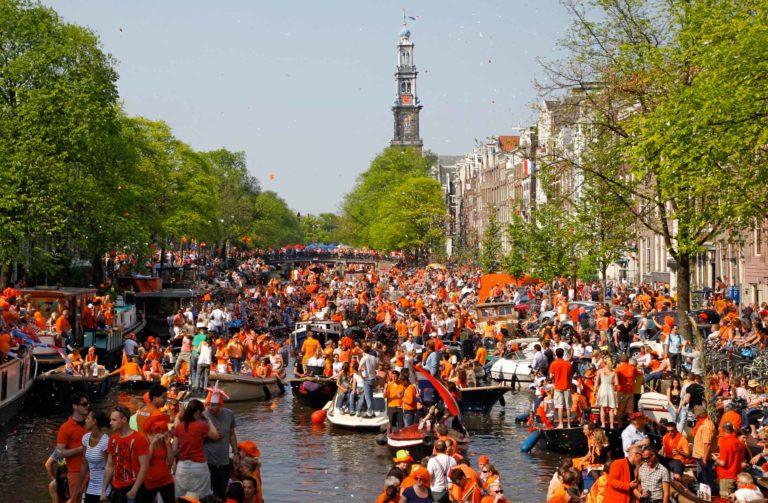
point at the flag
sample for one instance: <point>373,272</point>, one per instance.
<point>413,18</point>
<point>528,167</point>
<point>122,366</point>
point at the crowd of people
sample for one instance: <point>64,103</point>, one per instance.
<point>185,454</point>
<point>401,318</point>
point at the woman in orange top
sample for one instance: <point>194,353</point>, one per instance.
<point>446,368</point>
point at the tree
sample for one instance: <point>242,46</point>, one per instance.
<point>491,254</point>
<point>675,92</point>
<point>381,182</point>
<point>58,115</point>
<point>412,218</point>
<point>321,229</point>
<point>544,246</point>
<point>604,227</point>
<point>275,224</point>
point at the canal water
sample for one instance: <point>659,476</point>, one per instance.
<point>301,462</point>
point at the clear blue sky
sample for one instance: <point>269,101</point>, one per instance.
<point>305,87</point>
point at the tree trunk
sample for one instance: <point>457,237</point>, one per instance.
<point>603,283</point>
<point>684,295</point>
<point>5,274</point>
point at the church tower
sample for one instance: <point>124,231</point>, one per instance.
<point>406,107</point>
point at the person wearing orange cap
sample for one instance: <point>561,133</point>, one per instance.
<point>159,479</point>
<point>217,451</point>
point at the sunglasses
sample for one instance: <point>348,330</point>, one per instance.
<point>498,491</point>
<point>420,479</point>
<point>647,458</point>
<point>486,471</point>
<point>84,404</point>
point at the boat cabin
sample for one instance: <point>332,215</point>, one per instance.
<point>158,306</point>
<point>323,331</point>
<point>49,299</point>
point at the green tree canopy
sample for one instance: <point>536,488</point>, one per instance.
<point>412,217</point>
<point>675,89</point>
<point>491,254</point>
<point>377,184</point>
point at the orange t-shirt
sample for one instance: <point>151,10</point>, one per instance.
<point>309,347</point>
<point>393,393</point>
<point>626,374</point>
<point>562,373</point>
<point>482,355</point>
<point>71,435</point>
<point>409,398</point>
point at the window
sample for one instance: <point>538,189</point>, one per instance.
<point>758,241</point>
<point>647,255</point>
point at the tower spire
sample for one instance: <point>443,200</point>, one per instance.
<point>406,107</point>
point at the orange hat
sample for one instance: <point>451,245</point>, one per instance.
<point>157,423</point>
<point>249,447</point>
<point>483,460</point>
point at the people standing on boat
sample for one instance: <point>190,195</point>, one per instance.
<point>625,374</point>
<point>204,362</point>
<point>156,398</point>
<point>69,441</point>
<point>561,372</point>
<point>185,352</point>
<point>127,459</point>
<point>217,451</point>
<point>130,346</point>
<point>368,365</point>
<point>606,382</point>
<point>94,443</point>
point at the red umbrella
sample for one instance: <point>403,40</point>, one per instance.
<point>450,402</point>
<point>288,247</point>
<point>298,247</point>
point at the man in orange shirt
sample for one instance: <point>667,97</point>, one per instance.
<point>464,489</point>
<point>69,441</point>
<point>394,392</point>
<point>410,399</point>
<point>729,460</point>
<point>308,347</point>
<point>626,372</point>
<point>561,372</point>
<point>622,477</point>
<point>157,396</point>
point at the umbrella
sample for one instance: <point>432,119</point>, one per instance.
<point>435,266</point>
<point>298,247</point>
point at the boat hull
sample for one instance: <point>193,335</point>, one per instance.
<point>57,379</point>
<point>419,443</point>
<point>376,423</point>
<point>242,388</point>
<point>508,371</point>
<point>573,442</point>
<point>482,398</point>
<point>18,373</point>
<point>313,392</point>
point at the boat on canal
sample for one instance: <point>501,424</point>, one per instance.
<point>482,398</point>
<point>96,380</point>
<point>336,417</point>
<point>49,299</point>
<point>513,368</point>
<point>313,391</point>
<point>17,375</point>
<point>246,388</point>
<point>419,438</point>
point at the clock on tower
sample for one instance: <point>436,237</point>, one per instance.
<point>406,107</point>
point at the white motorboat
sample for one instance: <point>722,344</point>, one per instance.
<point>358,422</point>
<point>17,374</point>
<point>655,406</point>
<point>511,368</point>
